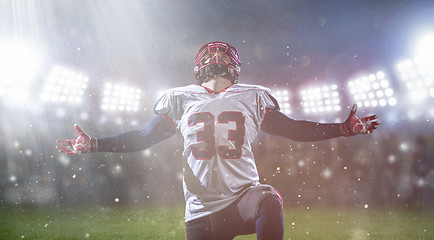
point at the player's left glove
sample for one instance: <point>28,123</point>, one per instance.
<point>82,144</point>
<point>354,125</point>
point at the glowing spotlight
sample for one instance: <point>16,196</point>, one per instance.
<point>424,50</point>
<point>372,90</point>
<point>283,98</point>
<point>418,78</point>
<point>19,65</point>
<point>321,99</point>
<point>118,97</point>
<point>64,85</point>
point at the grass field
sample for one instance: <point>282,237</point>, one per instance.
<point>167,223</point>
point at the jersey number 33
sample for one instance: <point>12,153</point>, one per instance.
<point>207,135</point>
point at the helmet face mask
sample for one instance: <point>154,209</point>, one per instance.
<point>216,59</point>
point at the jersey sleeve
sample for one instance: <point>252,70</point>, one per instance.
<point>157,130</point>
<point>168,106</point>
<point>277,123</point>
<point>266,102</point>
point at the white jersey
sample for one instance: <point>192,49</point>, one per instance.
<point>218,130</point>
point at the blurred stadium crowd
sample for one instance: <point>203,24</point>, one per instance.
<point>386,168</point>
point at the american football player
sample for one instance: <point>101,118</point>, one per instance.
<point>218,119</point>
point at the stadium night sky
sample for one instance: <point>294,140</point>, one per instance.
<point>280,42</point>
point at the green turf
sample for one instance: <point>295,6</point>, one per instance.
<point>167,223</point>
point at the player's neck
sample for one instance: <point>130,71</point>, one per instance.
<point>217,84</point>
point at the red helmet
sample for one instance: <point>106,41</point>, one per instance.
<point>216,59</point>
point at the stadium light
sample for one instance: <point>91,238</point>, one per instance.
<point>373,90</point>
<point>64,85</point>
<point>424,51</point>
<point>321,99</point>
<point>283,98</point>
<point>19,65</point>
<point>418,78</point>
<point>118,97</point>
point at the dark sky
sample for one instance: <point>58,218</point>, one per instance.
<point>281,42</point>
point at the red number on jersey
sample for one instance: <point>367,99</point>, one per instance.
<point>207,135</point>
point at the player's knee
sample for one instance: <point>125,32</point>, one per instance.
<point>269,224</point>
<point>271,204</point>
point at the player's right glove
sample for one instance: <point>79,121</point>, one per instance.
<point>354,125</point>
<point>82,144</point>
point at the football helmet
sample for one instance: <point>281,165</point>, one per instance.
<point>216,59</point>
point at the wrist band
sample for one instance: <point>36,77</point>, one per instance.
<point>344,129</point>
<point>93,145</point>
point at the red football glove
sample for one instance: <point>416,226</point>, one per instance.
<point>354,125</point>
<point>82,144</point>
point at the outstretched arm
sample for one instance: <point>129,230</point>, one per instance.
<point>157,130</point>
<point>276,123</point>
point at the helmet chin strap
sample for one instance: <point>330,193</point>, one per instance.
<point>216,70</point>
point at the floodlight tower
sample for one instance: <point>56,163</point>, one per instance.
<point>119,97</point>
<point>416,76</point>
<point>64,85</point>
<point>283,97</point>
<point>372,90</point>
<point>320,99</point>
